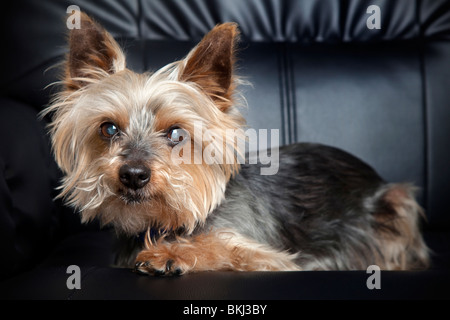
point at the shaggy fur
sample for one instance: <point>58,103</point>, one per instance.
<point>323,210</point>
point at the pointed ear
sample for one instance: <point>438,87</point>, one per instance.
<point>210,64</point>
<point>93,54</point>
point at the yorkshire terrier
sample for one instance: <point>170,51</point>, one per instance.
<point>115,133</point>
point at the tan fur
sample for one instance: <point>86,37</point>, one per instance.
<point>210,64</point>
<point>220,250</point>
<point>400,238</point>
<point>93,53</point>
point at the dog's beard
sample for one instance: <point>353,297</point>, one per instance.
<point>177,198</point>
<point>133,196</point>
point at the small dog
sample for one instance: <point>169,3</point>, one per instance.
<point>114,133</point>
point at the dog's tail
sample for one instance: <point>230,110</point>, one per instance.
<point>397,229</point>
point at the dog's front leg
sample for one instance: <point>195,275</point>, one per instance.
<point>223,250</point>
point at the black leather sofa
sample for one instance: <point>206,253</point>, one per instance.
<point>319,74</point>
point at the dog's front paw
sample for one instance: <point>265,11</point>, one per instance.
<point>160,263</point>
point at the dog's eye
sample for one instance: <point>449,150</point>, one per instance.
<point>176,135</point>
<point>108,130</point>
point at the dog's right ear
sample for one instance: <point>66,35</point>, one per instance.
<point>93,54</point>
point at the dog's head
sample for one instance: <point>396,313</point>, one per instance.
<point>153,149</point>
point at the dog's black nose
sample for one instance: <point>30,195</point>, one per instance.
<point>134,176</point>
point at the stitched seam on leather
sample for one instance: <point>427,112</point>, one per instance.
<point>284,103</point>
<point>291,96</point>
<point>287,95</point>
<point>426,155</point>
<point>140,25</point>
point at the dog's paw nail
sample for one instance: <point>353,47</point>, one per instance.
<point>159,273</point>
<point>177,272</point>
<point>138,268</point>
<point>169,265</point>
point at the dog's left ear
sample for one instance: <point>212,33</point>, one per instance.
<point>211,64</point>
